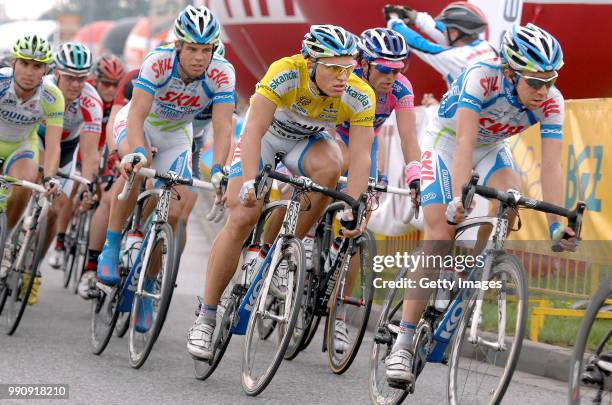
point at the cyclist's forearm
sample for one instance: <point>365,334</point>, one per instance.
<point>53,138</point>
<point>552,187</point>
<point>222,132</point>
<point>250,151</point>
<point>406,125</point>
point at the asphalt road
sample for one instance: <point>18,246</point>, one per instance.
<point>52,346</point>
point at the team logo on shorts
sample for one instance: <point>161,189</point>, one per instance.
<point>428,168</point>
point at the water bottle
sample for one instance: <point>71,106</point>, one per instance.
<point>132,247</point>
<point>254,258</point>
<point>443,295</point>
<point>333,253</point>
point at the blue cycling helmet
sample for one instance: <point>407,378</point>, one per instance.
<point>382,43</point>
<point>531,49</point>
<point>74,58</point>
<point>220,50</point>
<point>197,26</point>
<point>324,41</point>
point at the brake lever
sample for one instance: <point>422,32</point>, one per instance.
<point>468,191</point>
<point>575,223</point>
<point>261,180</point>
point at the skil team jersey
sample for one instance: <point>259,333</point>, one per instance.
<point>483,88</point>
<point>17,118</point>
<point>175,103</point>
<point>449,61</point>
<point>83,114</point>
<point>301,112</point>
<point>401,97</point>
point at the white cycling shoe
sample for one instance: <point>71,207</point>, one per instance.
<point>200,341</point>
<point>57,258</point>
<point>342,340</point>
<point>399,367</point>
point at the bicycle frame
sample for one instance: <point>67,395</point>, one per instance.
<point>261,280</point>
<point>134,282</point>
<point>450,320</point>
<point>34,211</point>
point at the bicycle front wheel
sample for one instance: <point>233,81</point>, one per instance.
<point>149,308</point>
<point>81,245</point>
<point>261,358</point>
<point>3,234</point>
<point>350,309</point>
<point>22,279</point>
<point>592,356</point>
<point>480,370</point>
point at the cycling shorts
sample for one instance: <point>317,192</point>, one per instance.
<point>11,152</point>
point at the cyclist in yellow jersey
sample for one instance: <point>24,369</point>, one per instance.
<point>24,100</point>
<point>297,104</point>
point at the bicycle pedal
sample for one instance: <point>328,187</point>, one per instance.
<point>239,289</point>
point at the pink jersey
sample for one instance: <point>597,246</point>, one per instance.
<point>401,97</point>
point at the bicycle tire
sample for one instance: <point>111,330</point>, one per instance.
<point>383,341</point>
<point>137,359</point>
<point>339,365</point>
<point>305,315</point>
<point>37,243</point>
<point>576,365</point>
<point>99,341</point>
<point>512,266</point>
<point>254,386</point>
<point>3,235</point>
<point>81,246</point>
<point>204,369</point>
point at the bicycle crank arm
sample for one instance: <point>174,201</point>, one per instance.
<point>604,365</point>
<point>277,318</point>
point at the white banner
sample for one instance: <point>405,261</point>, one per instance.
<point>501,14</point>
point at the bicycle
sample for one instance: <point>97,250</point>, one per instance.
<point>25,249</point>
<point>592,367</point>
<point>328,278</point>
<point>247,302</point>
<point>155,253</point>
<point>444,336</point>
<point>76,240</point>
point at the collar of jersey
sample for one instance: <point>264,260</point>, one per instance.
<point>509,93</point>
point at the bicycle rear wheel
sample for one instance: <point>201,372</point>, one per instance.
<point>104,316</point>
<point>479,373</point>
<point>20,285</point>
<point>589,379</point>
<point>225,314</point>
<point>261,358</point>
<point>3,235</point>
<point>352,307</point>
<point>162,253</point>
<point>81,246</point>
<point>385,334</point>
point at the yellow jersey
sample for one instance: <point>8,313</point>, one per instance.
<point>301,112</point>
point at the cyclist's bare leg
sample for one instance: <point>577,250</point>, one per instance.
<point>99,221</point>
<point>225,250</point>
<point>437,242</point>
<point>120,210</point>
<point>322,163</point>
<point>24,169</point>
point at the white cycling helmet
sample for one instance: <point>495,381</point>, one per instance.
<point>531,49</point>
<point>324,41</point>
<point>197,25</point>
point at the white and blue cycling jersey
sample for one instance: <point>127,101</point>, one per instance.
<point>482,87</point>
<point>448,60</point>
<point>175,101</point>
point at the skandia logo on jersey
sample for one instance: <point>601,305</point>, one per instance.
<point>283,78</point>
<point>161,66</point>
<point>220,77</point>
<point>17,118</point>
<point>357,95</point>
<point>181,100</point>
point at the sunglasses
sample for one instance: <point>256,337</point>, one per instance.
<point>385,70</point>
<point>337,70</point>
<point>72,78</point>
<point>537,83</point>
<point>109,83</point>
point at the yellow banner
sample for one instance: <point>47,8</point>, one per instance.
<point>587,137</point>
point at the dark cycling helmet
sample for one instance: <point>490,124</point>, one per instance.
<point>464,17</point>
